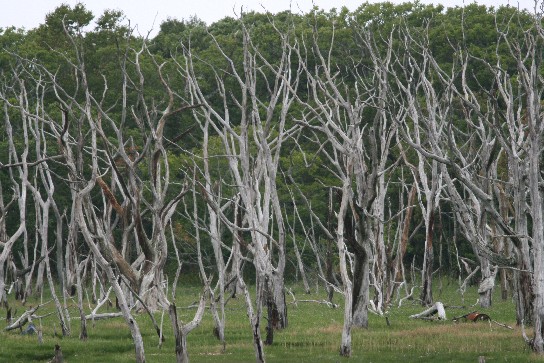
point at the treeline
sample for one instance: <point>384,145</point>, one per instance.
<point>367,151</point>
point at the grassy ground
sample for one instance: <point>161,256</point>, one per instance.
<point>313,336</point>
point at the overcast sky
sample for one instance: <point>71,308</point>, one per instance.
<point>148,14</point>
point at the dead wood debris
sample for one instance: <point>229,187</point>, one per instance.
<point>27,316</point>
<point>438,312</point>
<point>475,316</point>
<point>436,309</point>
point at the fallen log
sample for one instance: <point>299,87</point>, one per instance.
<point>324,302</point>
<point>474,316</point>
<point>436,309</point>
<point>102,316</point>
<point>25,318</point>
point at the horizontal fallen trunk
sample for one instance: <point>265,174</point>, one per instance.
<point>437,308</point>
<point>23,319</point>
<point>102,316</point>
<point>474,316</point>
<point>324,302</point>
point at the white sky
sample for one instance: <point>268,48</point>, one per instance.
<point>30,13</point>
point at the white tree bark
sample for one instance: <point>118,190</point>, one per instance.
<point>437,308</point>
<point>20,182</point>
<point>252,147</point>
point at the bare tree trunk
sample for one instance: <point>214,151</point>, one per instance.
<point>19,187</point>
<point>345,345</point>
<point>217,306</point>
<point>328,252</point>
<point>428,259</point>
<point>38,289</point>
<point>255,175</point>
<point>361,290</point>
<point>64,320</point>
<point>403,244</point>
<point>522,278</point>
<point>538,238</point>
<point>182,356</point>
<point>376,226</point>
<point>79,289</point>
<point>254,316</point>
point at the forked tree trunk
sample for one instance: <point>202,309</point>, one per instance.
<point>113,279</point>
<point>182,331</point>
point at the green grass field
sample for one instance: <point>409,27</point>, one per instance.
<point>313,335</point>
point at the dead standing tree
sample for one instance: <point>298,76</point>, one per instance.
<point>41,182</point>
<point>464,160</point>
<point>425,117</point>
<point>514,114</point>
<point>19,174</point>
<point>252,145</point>
<point>145,273</point>
<point>499,118</point>
<point>91,158</point>
<point>89,223</point>
<point>357,137</point>
<point>81,190</point>
<point>511,115</point>
<point>122,183</point>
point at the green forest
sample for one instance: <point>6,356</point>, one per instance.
<point>360,158</point>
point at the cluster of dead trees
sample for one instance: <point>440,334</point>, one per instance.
<point>397,116</point>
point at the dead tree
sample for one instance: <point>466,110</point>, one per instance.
<point>505,118</point>
<point>91,161</point>
<point>426,117</point>
<point>18,167</point>
<point>446,146</point>
<point>352,120</point>
<point>530,87</point>
<point>437,308</point>
<point>252,146</point>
